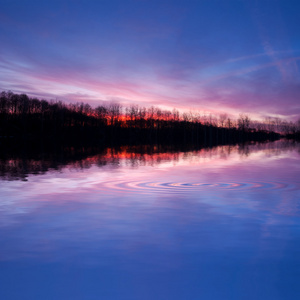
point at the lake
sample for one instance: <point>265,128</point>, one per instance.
<point>219,223</point>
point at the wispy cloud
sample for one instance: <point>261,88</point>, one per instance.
<point>215,58</point>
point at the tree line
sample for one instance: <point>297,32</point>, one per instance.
<point>27,119</point>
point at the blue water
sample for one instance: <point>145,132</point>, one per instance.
<point>212,224</point>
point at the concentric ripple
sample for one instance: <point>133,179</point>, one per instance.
<point>182,187</point>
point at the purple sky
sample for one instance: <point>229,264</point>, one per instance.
<point>214,56</point>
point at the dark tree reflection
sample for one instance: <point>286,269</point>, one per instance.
<point>18,165</point>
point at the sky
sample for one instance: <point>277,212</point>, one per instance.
<point>231,56</point>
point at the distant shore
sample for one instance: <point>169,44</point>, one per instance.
<point>25,120</point>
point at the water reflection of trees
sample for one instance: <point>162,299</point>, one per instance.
<point>17,166</point>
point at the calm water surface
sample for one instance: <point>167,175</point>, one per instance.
<point>211,224</point>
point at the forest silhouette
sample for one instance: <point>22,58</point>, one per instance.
<point>30,120</point>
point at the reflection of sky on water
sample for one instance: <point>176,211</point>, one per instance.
<point>198,227</point>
